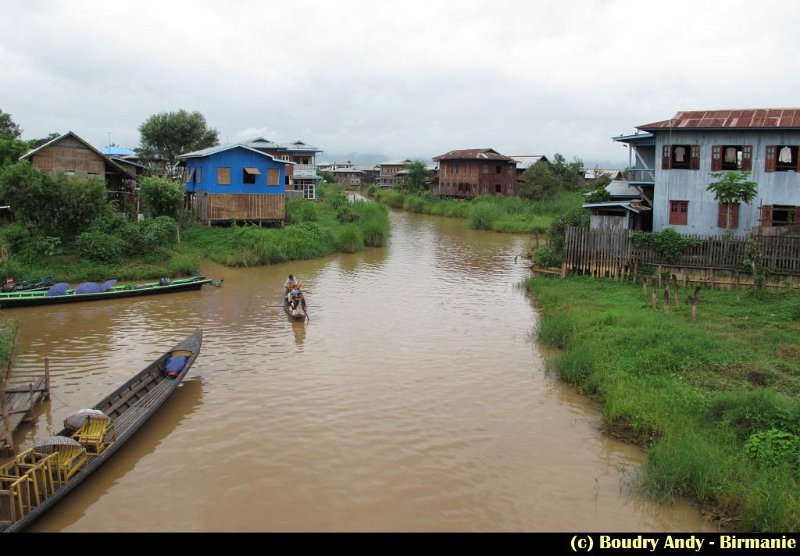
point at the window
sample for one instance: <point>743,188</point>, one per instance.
<point>782,158</point>
<point>485,168</point>
<point>498,169</point>
<point>249,175</point>
<point>722,218</point>
<point>680,157</point>
<point>223,176</point>
<point>779,215</point>
<point>273,176</point>
<point>678,213</point>
<point>498,188</point>
<point>198,175</point>
<point>732,157</point>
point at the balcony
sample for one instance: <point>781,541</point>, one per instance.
<point>641,175</point>
<point>304,171</point>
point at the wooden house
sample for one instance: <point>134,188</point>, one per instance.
<point>75,157</point>
<point>301,175</point>
<point>392,173</point>
<point>235,182</point>
<point>465,174</point>
<point>673,162</point>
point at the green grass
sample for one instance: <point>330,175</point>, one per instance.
<point>496,213</point>
<point>714,401</point>
<point>313,229</point>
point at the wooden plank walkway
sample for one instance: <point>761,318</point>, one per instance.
<point>19,402</point>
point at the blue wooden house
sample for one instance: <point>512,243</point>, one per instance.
<point>235,182</point>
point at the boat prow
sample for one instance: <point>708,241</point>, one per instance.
<point>38,478</point>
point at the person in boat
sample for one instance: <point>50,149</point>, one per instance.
<point>291,283</point>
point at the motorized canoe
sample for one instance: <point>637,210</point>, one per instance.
<point>41,283</point>
<point>63,294</point>
<point>296,308</point>
<point>38,478</point>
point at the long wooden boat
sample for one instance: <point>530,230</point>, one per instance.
<point>37,479</point>
<point>47,297</point>
<point>299,312</point>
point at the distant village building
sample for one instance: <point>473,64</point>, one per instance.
<point>301,177</point>
<point>235,182</point>
<point>465,174</point>
<point>347,176</point>
<point>76,157</point>
<point>672,162</point>
<point>392,173</point>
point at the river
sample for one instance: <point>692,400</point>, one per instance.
<point>415,399</point>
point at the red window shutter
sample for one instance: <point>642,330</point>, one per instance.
<point>770,159</point>
<point>722,215</point>
<point>747,158</point>
<point>766,215</point>
<point>716,158</point>
<point>694,162</point>
<point>665,157</point>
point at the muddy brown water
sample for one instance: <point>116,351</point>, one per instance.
<point>413,400</point>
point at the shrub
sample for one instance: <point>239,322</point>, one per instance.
<point>349,239</point>
<point>300,210</point>
<point>773,447</point>
<point>162,196</point>
<point>482,216</point>
<point>545,258</point>
<point>100,246</point>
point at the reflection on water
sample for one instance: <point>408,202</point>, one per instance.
<point>412,400</point>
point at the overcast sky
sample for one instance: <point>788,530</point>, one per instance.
<point>366,79</point>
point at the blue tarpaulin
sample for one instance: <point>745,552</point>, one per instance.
<point>58,289</point>
<point>107,285</point>
<point>88,287</point>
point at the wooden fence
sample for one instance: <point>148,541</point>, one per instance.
<point>721,261</point>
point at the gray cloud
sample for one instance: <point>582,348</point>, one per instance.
<point>405,79</point>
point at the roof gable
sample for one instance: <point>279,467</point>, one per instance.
<point>88,145</point>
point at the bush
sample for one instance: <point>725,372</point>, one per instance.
<point>545,258</point>
<point>162,196</point>
<point>100,246</point>
<point>773,447</point>
<point>349,239</point>
<point>482,216</point>
<point>150,236</point>
<point>82,201</point>
<point>300,210</point>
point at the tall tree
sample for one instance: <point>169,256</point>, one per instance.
<point>731,188</point>
<point>166,135</point>
<point>416,176</point>
<point>8,129</point>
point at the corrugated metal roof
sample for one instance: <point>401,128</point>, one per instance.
<point>473,154</point>
<point>525,161</point>
<point>631,206</point>
<point>299,146</point>
<point>116,150</point>
<point>731,119</point>
<point>221,148</point>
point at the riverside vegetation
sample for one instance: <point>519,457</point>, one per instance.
<point>713,401</point>
<point>493,213</point>
<point>65,229</point>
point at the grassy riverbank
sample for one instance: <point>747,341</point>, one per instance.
<point>494,213</point>
<point>114,248</point>
<point>713,401</point>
